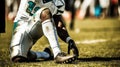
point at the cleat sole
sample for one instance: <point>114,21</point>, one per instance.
<point>70,60</point>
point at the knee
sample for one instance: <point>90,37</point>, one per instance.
<point>45,14</point>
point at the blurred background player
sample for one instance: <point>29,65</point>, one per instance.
<point>28,25</point>
<point>12,8</point>
<point>70,6</point>
<point>113,11</point>
<point>97,8</point>
<point>119,8</point>
<point>83,8</point>
<point>105,6</point>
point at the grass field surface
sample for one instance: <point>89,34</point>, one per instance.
<point>98,41</point>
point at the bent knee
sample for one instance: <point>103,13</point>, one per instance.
<point>46,14</point>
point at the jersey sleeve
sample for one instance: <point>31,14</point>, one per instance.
<point>60,4</point>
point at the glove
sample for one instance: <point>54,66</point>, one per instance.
<point>72,46</point>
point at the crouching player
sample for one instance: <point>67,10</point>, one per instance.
<point>35,19</point>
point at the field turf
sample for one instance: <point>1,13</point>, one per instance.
<point>98,41</point>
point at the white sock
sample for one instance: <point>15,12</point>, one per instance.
<point>50,32</point>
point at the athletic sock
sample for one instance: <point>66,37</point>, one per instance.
<point>50,32</point>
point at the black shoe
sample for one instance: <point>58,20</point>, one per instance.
<point>49,51</point>
<point>63,58</point>
<point>31,56</point>
<point>19,59</point>
<point>72,46</point>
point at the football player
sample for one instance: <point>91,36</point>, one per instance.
<point>119,8</point>
<point>12,6</point>
<point>35,18</point>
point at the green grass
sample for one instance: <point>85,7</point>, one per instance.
<point>100,54</point>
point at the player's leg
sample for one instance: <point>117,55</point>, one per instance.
<point>49,31</point>
<point>105,5</point>
<point>92,8</point>
<point>46,54</point>
<point>35,31</point>
<point>69,6</point>
<point>21,42</point>
<point>73,12</point>
<point>119,8</point>
<point>64,35</point>
<point>24,36</point>
<point>83,8</point>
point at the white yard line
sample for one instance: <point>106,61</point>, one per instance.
<point>93,41</point>
<point>90,41</point>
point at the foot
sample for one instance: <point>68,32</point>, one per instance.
<point>63,58</point>
<point>48,50</point>
<point>72,46</point>
<point>31,56</point>
<point>19,59</point>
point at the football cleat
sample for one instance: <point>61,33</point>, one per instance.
<point>63,58</point>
